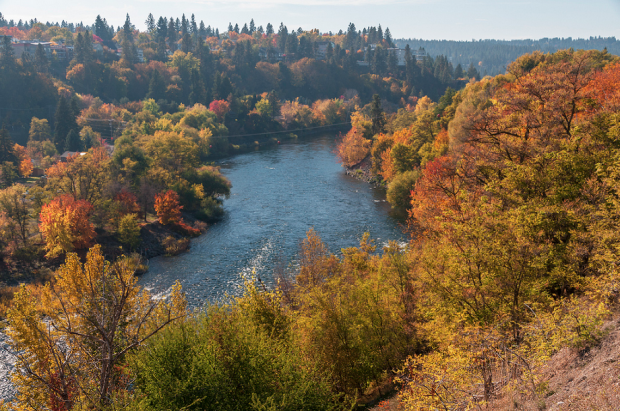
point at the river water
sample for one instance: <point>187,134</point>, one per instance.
<point>278,194</point>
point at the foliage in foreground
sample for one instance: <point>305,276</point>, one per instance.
<point>72,338</point>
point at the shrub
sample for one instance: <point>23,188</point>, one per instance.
<point>129,230</point>
<point>211,210</point>
<point>174,246</point>
<point>224,361</point>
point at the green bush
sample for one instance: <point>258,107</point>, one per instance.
<point>399,190</point>
<point>223,360</point>
<point>210,210</point>
<point>129,230</point>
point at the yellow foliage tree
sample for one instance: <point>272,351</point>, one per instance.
<point>72,339</point>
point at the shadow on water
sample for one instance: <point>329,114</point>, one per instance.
<point>278,194</point>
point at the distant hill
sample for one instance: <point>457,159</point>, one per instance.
<point>492,56</point>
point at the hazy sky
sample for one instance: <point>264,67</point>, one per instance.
<point>427,19</point>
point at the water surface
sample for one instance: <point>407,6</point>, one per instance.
<point>278,194</point>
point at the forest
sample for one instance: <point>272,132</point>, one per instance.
<point>510,186</point>
<point>492,57</point>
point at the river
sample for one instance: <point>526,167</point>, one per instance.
<point>278,194</point>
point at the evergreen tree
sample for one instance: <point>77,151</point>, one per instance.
<point>186,43</point>
<point>40,59</point>
<point>377,115</point>
<point>282,37</point>
<point>7,152</point>
<point>198,93</point>
<point>252,27</point>
<point>129,49</point>
<point>64,121</point>
<point>269,29</point>
<point>172,35</point>
<point>157,86</point>
<point>150,23</point>
<point>472,72</point>
<point>193,26</point>
<point>245,30</point>
<point>388,37</point>
<point>458,71</point>
<point>230,27</point>
<point>184,25</point>
<point>7,55</point>
<point>73,142</point>
<point>236,29</point>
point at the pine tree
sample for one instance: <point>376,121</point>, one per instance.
<point>73,141</point>
<point>377,115</point>
<point>252,27</point>
<point>40,59</point>
<point>172,35</point>
<point>157,87</point>
<point>7,55</point>
<point>150,23</point>
<point>458,71</point>
<point>64,121</point>
<point>184,25</point>
<point>388,37</point>
<point>6,147</point>
<point>186,43</point>
<point>269,29</point>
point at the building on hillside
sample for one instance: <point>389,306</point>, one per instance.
<point>64,157</point>
<point>30,48</point>
<point>400,55</point>
<point>321,49</point>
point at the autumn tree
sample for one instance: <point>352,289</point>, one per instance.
<point>83,177</point>
<point>353,148</point>
<point>15,204</point>
<point>168,208</point>
<point>71,339</point>
<point>39,130</point>
<point>65,225</point>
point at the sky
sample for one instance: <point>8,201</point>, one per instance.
<point>422,19</point>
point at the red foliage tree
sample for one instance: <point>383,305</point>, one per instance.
<point>127,202</point>
<point>220,108</point>
<point>168,208</point>
<point>65,225</point>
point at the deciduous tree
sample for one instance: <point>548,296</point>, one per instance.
<point>65,225</point>
<point>72,338</point>
<point>168,208</point>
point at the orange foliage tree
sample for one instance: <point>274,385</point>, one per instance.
<point>168,208</point>
<point>353,148</point>
<point>65,225</point>
<point>25,163</point>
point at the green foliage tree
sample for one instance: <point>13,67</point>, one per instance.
<point>129,231</point>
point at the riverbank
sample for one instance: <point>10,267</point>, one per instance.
<point>363,172</point>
